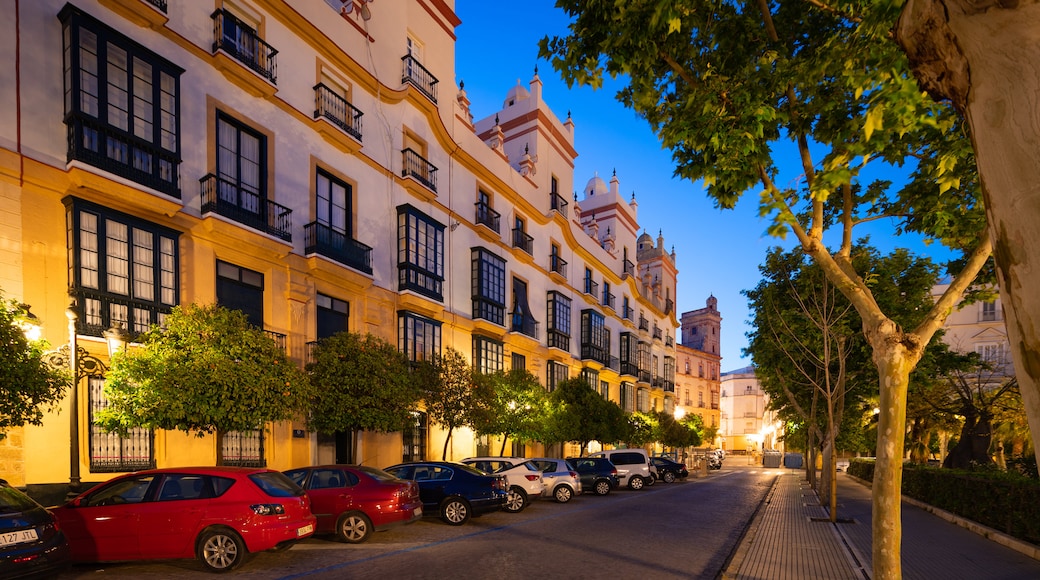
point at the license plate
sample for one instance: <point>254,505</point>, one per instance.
<point>304,530</point>
<point>19,537</point>
<point>417,511</point>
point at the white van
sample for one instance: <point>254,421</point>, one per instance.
<point>633,466</point>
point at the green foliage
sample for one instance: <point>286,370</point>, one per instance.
<point>362,382</point>
<point>678,433</point>
<point>207,371</point>
<point>449,398</point>
<point>29,385</point>
<point>580,414</point>
<point>640,429</point>
<point>518,405</point>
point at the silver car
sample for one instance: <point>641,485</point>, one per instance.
<point>524,479</point>
<point>562,481</point>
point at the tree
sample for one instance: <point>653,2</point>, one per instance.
<point>582,415</point>
<point>734,88</point>
<point>448,398</point>
<point>672,432</point>
<point>29,384</point>
<point>206,371</point>
<point>518,408</point>
<point>363,383</point>
<point>981,57</point>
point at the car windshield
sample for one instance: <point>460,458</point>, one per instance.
<point>377,474</point>
<point>275,484</point>
<point>13,501</point>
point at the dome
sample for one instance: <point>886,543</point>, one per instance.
<point>595,185</point>
<point>517,93</point>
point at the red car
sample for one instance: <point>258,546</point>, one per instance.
<point>216,514</point>
<point>352,501</point>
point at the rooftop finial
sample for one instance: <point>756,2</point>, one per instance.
<point>496,120</point>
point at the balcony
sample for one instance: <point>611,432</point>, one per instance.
<point>643,376</point>
<point>644,324</point>
<point>608,299</point>
<point>628,268</point>
<point>657,333</point>
<point>628,313</point>
<point>335,109</point>
<point>416,75</point>
<point>245,207</point>
<point>591,287</point>
<point>123,154</point>
<point>557,339</point>
<point>418,168</point>
<point>336,245</point>
<point>240,41</point>
<point>523,324</point>
<point>277,337</point>
<point>594,352</point>
<point>557,265</point>
<point>522,240</point>
<point>558,204</point>
<point>613,363</point>
<point>486,216</point>
<point>669,341</point>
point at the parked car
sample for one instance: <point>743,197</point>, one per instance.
<point>523,479</point>
<point>595,473</point>
<point>31,541</point>
<point>352,501</point>
<point>453,491</point>
<point>562,482</point>
<point>218,515</point>
<point>633,465</point>
<point>668,470</point>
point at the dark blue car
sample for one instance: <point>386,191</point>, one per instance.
<point>453,491</point>
<point>31,545</point>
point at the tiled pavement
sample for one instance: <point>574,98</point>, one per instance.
<point>790,538</point>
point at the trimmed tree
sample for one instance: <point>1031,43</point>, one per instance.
<point>583,415</point>
<point>735,88</point>
<point>363,383</point>
<point>516,409</point>
<point>207,371</point>
<point>29,386</point>
<point>449,398</point>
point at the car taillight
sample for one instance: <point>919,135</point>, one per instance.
<point>500,483</point>
<point>613,472</point>
<point>573,474</point>
<point>533,477</point>
<point>267,509</point>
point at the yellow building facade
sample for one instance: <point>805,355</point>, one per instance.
<point>318,167</point>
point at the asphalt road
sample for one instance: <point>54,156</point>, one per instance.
<point>682,530</point>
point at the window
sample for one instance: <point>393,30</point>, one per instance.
<point>414,439</point>
<point>594,336</point>
<point>643,361</point>
<point>488,355</point>
<point>332,103</point>
<point>669,373</point>
<point>555,372</point>
<point>558,321</point>
<point>122,104</point>
<point>333,315</point>
<point>604,390</point>
<point>333,203</point>
<point>626,308</point>
<point>331,232</point>
<point>643,400</point>
<point>992,353</point>
<point>486,215</point>
<point>241,289</point>
<point>627,394</point>
<point>244,448</point>
<point>519,362</point>
<point>489,286</point>
<point>989,311</point>
<point>419,337</point>
<point>557,264</point>
<point>108,451</point>
<point>608,298</point>
<point>125,270</point>
<point>590,285</point>
<point>236,34</point>
<point>590,376</point>
<point>628,355</point>
<point>414,72</point>
<point>522,319</point>
<point>520,237</point>
<point>420,252</point>
<point>242,170</point>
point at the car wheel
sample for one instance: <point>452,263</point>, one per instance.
<point>353,528</point>
<point>668,477</point>
<point>636,483</point>
<point>455,511</point>
<point>650,481</point>
<point>602,487</point>
<point>563,494</point>
<point>220,550</point>
<point>516,500</point>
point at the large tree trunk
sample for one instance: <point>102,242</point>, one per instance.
<point>983,55</point>
<point>973,446</point>
<point>894,367</point>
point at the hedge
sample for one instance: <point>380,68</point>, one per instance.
<point>1006,502</point>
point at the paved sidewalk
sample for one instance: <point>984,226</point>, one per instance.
<point>791,538</point>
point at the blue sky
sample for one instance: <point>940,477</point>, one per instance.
<point>718,251</point>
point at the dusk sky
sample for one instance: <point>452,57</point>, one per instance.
<point>718,251</point>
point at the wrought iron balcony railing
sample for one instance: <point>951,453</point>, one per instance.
<point>557,265</point>
<point>337,110</point>
<point>239,40</point>
<point>417,75</point>
<point>591,287</point>
<point>629,268</point>
<point>123,154</point>
<point>608,299</point>
<point>657,332</point>
<point>487,216</point>
<point>669,341</point>
<point>325,241</point>
<point>628,312</point>
<point>522,240</point>
<point>277,337</point>
<point>160,4</point>
<point>644,324</point>
<point>524,324</point>
<point>415,166</point>
<point>246,207</point>
<point>558,204</point>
